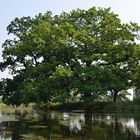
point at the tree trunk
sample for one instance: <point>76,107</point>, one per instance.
<point>115,94</point>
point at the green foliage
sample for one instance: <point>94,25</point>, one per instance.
<point>84,54</point>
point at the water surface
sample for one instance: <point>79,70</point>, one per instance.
<point>54,125</point>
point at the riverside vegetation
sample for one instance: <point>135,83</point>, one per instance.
<point>81,57</point>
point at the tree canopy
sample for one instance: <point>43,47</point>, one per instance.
<point>83,55</point>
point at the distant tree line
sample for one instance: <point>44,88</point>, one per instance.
<point>83,55</point>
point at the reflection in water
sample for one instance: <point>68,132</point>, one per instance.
<point>125,123</point>
<point>68,125</point>
<point>130,124</point>
<point>75,122</point>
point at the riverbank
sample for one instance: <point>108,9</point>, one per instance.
<point>105,107</point>
<point>121,106</point>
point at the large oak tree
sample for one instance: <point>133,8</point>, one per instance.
<point>90,53</point>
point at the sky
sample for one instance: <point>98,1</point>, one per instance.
<point>128,10</point>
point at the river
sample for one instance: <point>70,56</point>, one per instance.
<point>74,125</point>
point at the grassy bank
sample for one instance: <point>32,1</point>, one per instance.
<point>121,106</point>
